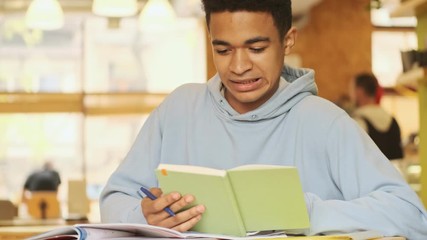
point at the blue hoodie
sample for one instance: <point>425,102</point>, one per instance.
<point>348,183</point>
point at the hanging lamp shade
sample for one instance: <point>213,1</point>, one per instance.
<point>44,15</point>
<point>115,8</point>
<point>156,14</point>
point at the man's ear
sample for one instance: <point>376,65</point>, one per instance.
<point>289,40</point>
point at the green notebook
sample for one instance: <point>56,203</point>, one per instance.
<point>240,200</point>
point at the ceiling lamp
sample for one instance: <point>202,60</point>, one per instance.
<point>44,15</point>
<point>156,14</point>
<point>115,8</point>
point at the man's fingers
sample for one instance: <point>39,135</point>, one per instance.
<point>165,201</point>
<point>152,216</point>
<point>188,224</point>
<point>183,202</point>
<point>156,191</point>
<point>158,205</point>
<point>155,214</point>
<point>185,219</point>
<point>175,207</point>
<point>153,210</point>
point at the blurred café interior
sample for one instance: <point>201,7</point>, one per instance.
<point>78,78</point>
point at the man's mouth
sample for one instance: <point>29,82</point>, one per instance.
<point>246,85</point>
<point>249,81</point>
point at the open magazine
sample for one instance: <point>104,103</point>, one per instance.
<point>127,230</point>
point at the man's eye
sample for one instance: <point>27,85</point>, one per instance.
<point>257,50</point>
<point>222,51</point>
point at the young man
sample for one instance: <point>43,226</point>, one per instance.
<point>380,125</point>
<point>257,111</point>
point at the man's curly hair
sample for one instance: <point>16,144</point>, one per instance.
<point>280,10</point>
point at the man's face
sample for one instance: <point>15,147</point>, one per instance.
<point>248,55</point>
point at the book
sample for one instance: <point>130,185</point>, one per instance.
<point>131,231</point>
<point>241,200</point>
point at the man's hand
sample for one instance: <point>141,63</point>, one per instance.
<point>154,213</point>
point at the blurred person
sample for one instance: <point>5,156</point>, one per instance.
<point>45,179</point>
<point>380,125</point>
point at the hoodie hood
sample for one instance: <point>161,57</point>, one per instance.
<point>295,84</point>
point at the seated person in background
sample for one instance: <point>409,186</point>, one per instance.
<point>40,192</point>
<point>46,179</point>
<point>380,125</point>
<point>258,111</point>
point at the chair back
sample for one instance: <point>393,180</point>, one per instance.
<point>43,205</point>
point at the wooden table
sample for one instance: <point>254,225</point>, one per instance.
<point>32,222</point>
<point>24,228</point>
<point>22,232</point>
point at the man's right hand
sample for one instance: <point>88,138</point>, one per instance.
<point>155,214</point>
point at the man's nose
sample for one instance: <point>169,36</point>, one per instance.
<point>240,62</point>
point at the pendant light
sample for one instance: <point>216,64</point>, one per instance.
<point>44,15</point>
<point>156,14</point>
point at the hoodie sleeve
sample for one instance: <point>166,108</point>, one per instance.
<point>120,200</point>
<point>375,195</point>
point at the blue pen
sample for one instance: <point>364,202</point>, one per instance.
<point>152,197</point>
